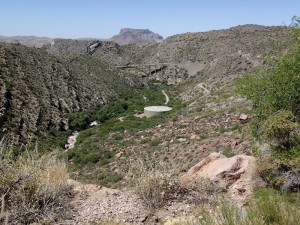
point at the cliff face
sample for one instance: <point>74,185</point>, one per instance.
<point>37,90</point>
<point>128,36</point>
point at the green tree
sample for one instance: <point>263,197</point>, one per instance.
<point>276,85</point>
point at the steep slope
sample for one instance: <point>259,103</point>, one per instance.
<point>129,36</point>
<point>38,90</point>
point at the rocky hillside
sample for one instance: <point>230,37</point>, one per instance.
<point>221,54</point>
<point>38,90</point>
<point>129,36</point>
<point>31,41</point>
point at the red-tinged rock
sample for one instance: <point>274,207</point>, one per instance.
<point>235,174</point>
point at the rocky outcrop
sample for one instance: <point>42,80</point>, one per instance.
<point>129,36</point>
<point>235,174</point>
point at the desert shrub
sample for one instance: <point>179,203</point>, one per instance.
<point>151,185</point>
<point>279,126</point>
<point>154,142</point>
<point>32,187</point>
<point>288,157</point>
<point>228,153</point>
<point>108,180</point>
<point>118,137</point>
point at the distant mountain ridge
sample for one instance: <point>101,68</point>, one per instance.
<point>129,36</point>
<point>30,41</point>
<point>126,36</point>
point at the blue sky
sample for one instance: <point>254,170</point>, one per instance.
<point>103,19</point>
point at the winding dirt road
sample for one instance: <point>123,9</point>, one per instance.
<point>167,97</point>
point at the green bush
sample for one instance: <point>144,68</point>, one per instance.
<point>279,126</point>
<point>109,179</point>
<point>79,121</point>
<point>118,137</point>
<point>276,85</point>
<point>228,153</point>
<point>154,142</point>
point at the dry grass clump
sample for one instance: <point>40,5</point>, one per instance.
<point>110,222</point>
<point>155,187</point>
<point>182,221</point>
<point>32,188</point>
<point>266,207</point>
<point>151,185</point>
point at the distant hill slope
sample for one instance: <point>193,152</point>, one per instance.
<point>220,54</point>
<point>29,41</point>
<point>37,90</point>
<point>129,36</point>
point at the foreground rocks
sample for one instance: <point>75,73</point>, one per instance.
<point>96,204</point>
<point>236,174</point>
<point>93,203</point>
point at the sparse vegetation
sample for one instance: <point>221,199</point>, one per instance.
<point>68,93</point>
<point>151,185</point>
<point>266,207</point>
<point>33,188</point>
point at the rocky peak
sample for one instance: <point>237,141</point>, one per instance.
<point>128,36</point>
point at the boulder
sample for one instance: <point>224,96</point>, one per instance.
<point>243,117</point>
<point>235,174</point>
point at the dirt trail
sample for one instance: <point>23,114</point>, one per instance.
<point>93,204</point>
<point>201,86</point>
<point>167,97</point>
